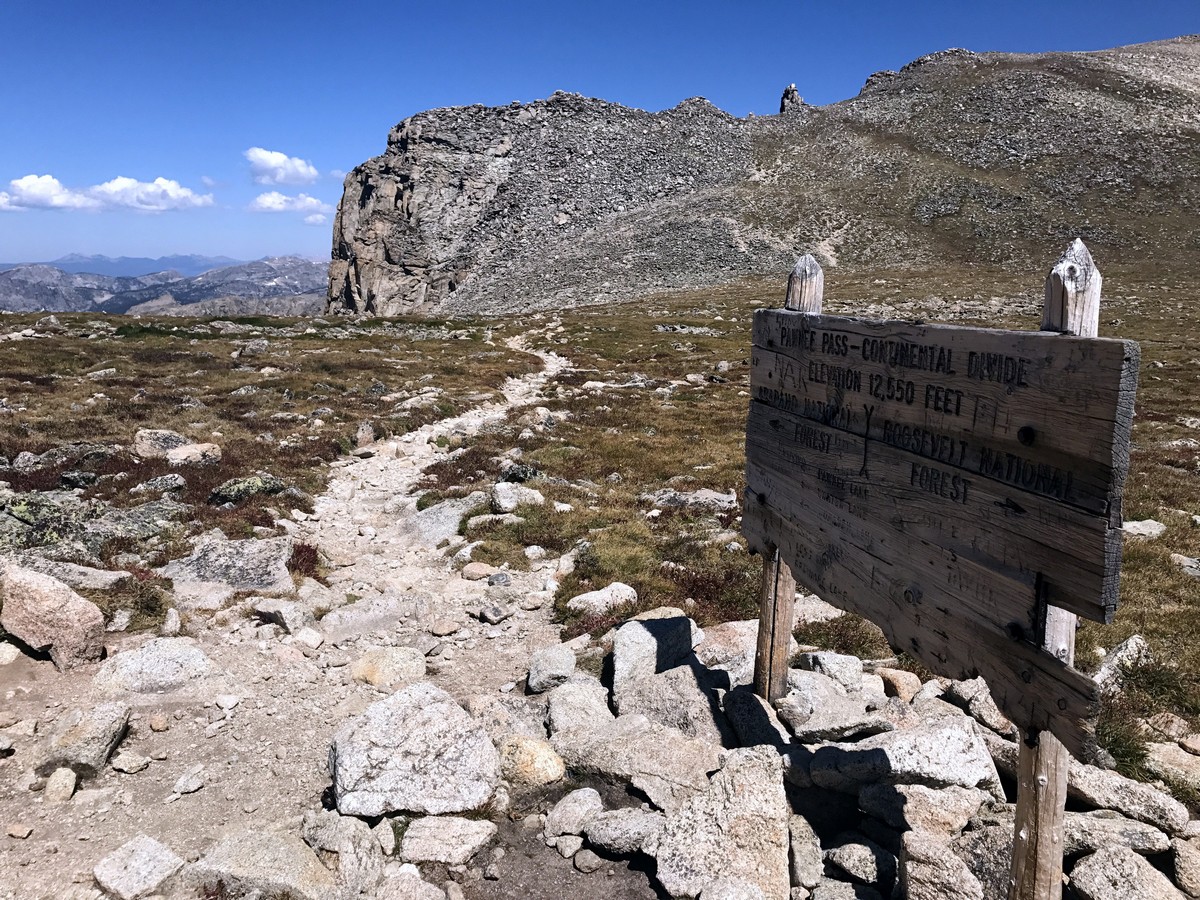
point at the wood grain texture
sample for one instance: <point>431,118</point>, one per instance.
<point>776,613</point>
<point>1036,425</point>
<point>920,612</point>
<point>1072,306</point>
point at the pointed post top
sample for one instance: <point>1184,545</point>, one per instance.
<point>1072,303</point>
<point>806,286</point>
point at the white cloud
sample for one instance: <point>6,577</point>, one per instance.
<point>208,181</point>
<point>337,173</point>
<point>273,167</point>
<point>273,201</point>
<point>315,219</point>
<point>47,192</point>
<point>156,196</point>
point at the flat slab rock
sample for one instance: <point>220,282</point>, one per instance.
<point>136,868</point>
<point>416,751</point>
<point>1117,873</point>
<point>272,864</point>
<point>162,664</point>
<point>446,839</point>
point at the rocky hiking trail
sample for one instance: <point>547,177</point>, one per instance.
<point>414,728</point>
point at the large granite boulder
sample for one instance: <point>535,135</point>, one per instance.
<point>735,829</point>
<point>415,751</point>
<point>47,615</point>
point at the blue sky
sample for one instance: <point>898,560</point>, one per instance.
<point>223,128</point>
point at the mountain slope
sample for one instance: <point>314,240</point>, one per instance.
<point>42,287</point>
<point>958,157</point>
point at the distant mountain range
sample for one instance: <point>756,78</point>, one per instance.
<point>132,266</point>
<point>38,286</point>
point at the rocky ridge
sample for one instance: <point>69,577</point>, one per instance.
<point>958,156</point>
<point>417,727</point>
<point>266,285</point>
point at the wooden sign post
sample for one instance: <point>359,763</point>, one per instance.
<point>960,487</point>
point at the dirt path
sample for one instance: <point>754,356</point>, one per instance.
<point>263,761</point>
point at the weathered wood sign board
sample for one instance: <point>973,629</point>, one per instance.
<point>947,483</point>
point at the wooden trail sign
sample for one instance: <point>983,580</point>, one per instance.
<point>951,484</point>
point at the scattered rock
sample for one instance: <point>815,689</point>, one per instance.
<point>587,862</point>
<point>1117,873</point>
<point>530,761</point>
<point>598,603</point>
<point>47,615</point>
<point>807,860</point>
<point>550,667</point>
<point>647,645</point>
<point>348,847</point>
<point>1108,790</point>
<point>899,683</point>
<point>508,495</point>
<point>572,813</point>
<point>1171,762</point>
<point>937,754</point>
<point>622,832</point>
<point>129,763</point>
<point>929,870</point>
<point>162,664</point>
<point>915,807</point>
<point>844,669</point>
<point>194,455</point>
<point>235,490</point>
<point>1089,832</point>
<point>1187,866</point>
<point>389,666</point>
<point>287,614</point>
<point>695,502</point>
<point>737,828</point>
<point>156,443</point>
<point>60,786</point>
<point>275,865</point>
<point>864,861</point>
<point>137,868</point>
<point>477,571</point>
<point>1146,528</point>
<point>445,839</point>
<point>685,698</point>
<point>217,567</point>
<point>83,739</point>
<point>415,751</point>
<point>1133,651</point>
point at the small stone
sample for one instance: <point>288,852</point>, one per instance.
<point>586,861</point>
<point>309,637</point>
<point>568,845</point>
<point>1147,529</point>
<point>190,782</point>
<point>899,683</point>
<point>18,831</point>
<point>550,667</point>
<point>573,812</point>
<point>130,763</point>
<point>598,603</point>
<point>493,614</point>
<point>8,654</point>
<point>499,579</point>
<point>477,571</point>
<point>159,722</point>
<point>60,786</point>
<point>530,760</point>
<point>389,666</point>
<point>443,628</point>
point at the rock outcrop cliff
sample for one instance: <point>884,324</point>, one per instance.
<point>957,156</point>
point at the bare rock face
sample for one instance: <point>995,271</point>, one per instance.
<point>571,200</point>
<point>47,615</point>
<point>416,751</point>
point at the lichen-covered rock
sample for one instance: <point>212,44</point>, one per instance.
<point>155,443</point>
<point>217,564</point>
<point>47,615</point>
<point>235,490</point>
<point>415,751</point>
